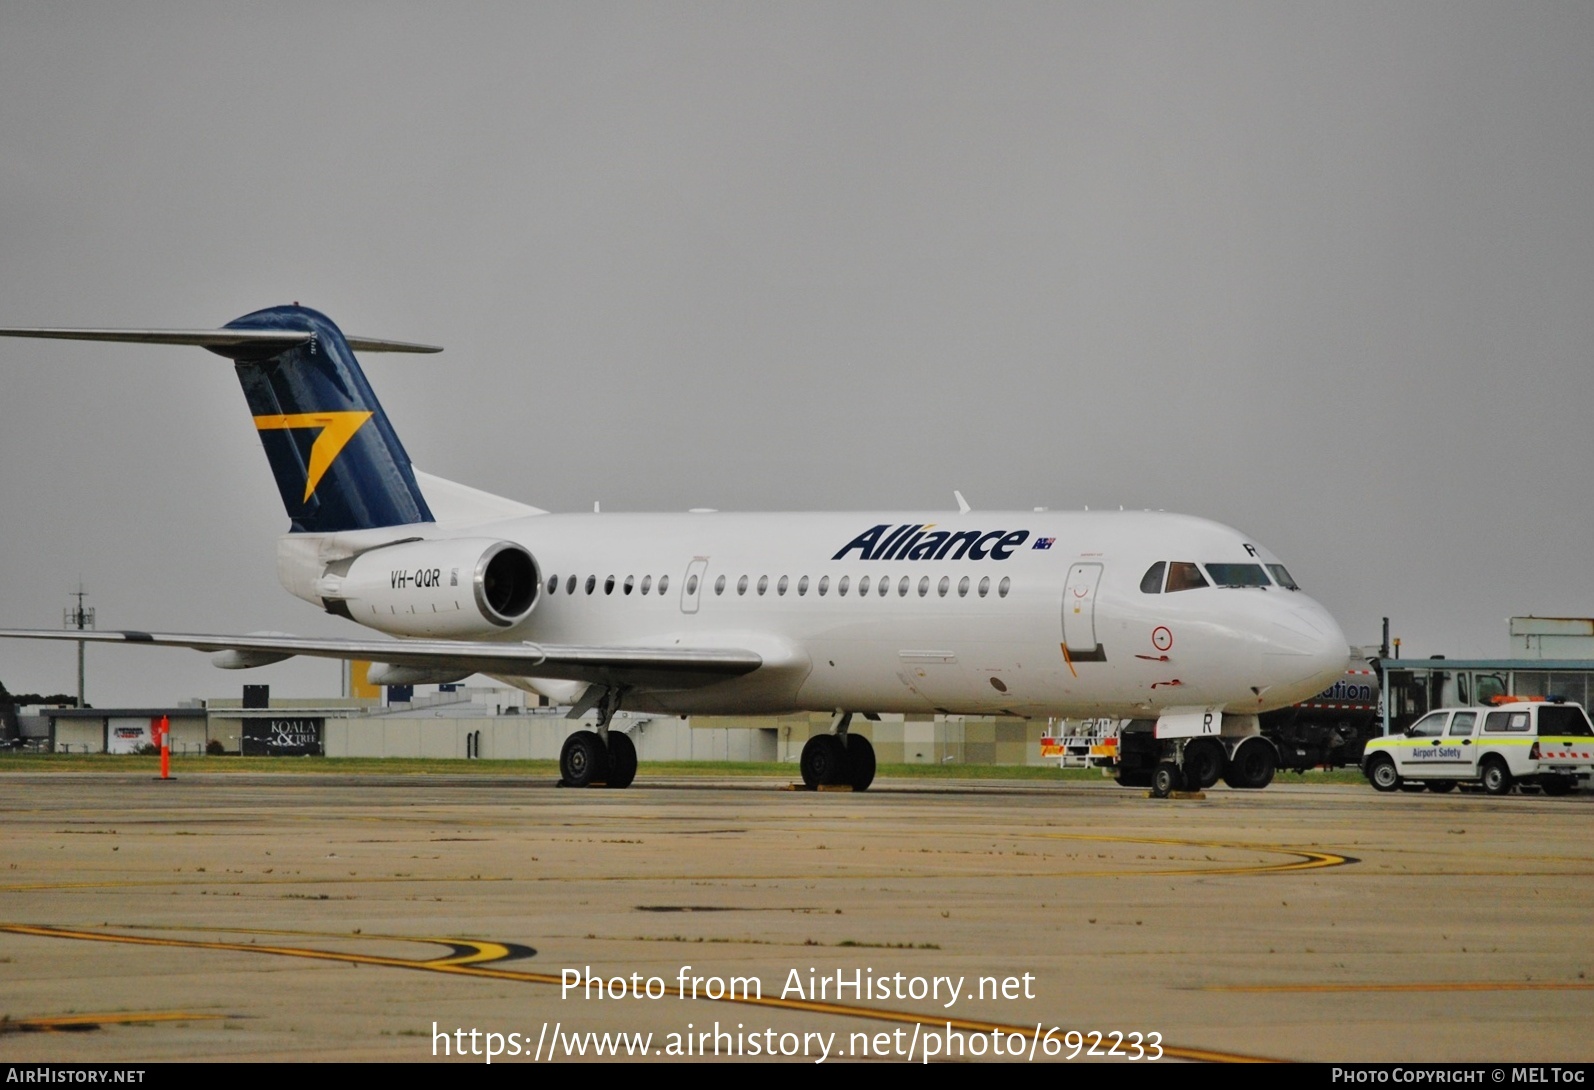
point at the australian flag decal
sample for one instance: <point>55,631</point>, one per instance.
<point>1044,542</point>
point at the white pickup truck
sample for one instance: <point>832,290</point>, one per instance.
<point>1538,742</point>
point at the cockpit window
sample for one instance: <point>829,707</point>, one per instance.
<point>1183,575</point>
<point>1238,575</point>
<point>1281,576</point>
<point>1151,582</point>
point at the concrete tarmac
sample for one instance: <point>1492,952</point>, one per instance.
<point>325,917</point>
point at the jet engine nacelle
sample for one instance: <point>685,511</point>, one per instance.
<point>461,588</point>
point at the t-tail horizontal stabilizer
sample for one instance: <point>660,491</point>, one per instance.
<point>338,463</point>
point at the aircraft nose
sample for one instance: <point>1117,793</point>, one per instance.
<point>1308,647</point>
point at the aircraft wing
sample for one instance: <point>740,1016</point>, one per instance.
<point>657,668</point>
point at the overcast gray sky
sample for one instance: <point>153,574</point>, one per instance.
<point>1319,271</point>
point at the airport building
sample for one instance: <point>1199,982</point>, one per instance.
<point>505,724</point>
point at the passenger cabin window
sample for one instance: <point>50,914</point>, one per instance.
<point>1282,577</point>
<point>608,585</point>
<point>802,586</point>
<point>902,587</point>
<point>592,583</point>
<point>719,585</point>
<point>647,583</point>
<point>1151,582</point>
<point>924,586</point>
<point>944,586</point>
<point>824,585</point>
<point>885,585</point>
<point>985,586</point>
<point>780,587</point>
<point>630,583</point>
<point>1238,575</point>
<point>664,584</point>
<point>553,584</point>
<point>741,585</point>
<point>1183,575</point>
<point>570,585</point>
<point>963,587</point>
<point>863,586</point>
<point>841,586</point>
<point>1006,585</point>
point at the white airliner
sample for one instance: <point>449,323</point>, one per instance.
<point>1071,614</point>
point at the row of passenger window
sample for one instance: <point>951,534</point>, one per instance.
<point>627,587</point>
<point>1183,575</point>
<point>882,588</point>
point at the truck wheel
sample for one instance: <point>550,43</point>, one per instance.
<point>1382,774</point>
<point>1496,777</point>
<point>1253,766</point>
<point>1203,763</point>
<point>1165,780</point>
<point>1556,786</point>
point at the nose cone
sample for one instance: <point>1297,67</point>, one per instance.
<point>1307,652</point>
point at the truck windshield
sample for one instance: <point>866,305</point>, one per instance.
<point>1238,575</point>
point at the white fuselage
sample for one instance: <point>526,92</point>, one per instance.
<point>1060,629</point>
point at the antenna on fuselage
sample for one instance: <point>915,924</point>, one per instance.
<point>963,504</point>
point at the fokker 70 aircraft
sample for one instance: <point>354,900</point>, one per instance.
<point>1078,614</point>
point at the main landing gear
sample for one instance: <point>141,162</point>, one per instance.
<point>838,758</point>
<point>601,757</point>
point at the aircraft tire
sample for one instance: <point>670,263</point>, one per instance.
<point>622,760</point>
<point>1203,763</point>
<point>860,762</point>
<point>583,761</point>
<point>1383,775</point>
<point>1165,780</point>
<point>824,761</point>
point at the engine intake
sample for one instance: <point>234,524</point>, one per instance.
<point>466,587</point>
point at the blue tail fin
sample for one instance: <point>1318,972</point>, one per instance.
<point>338,463</point>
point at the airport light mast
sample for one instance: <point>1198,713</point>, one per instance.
<point>80,618</point>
